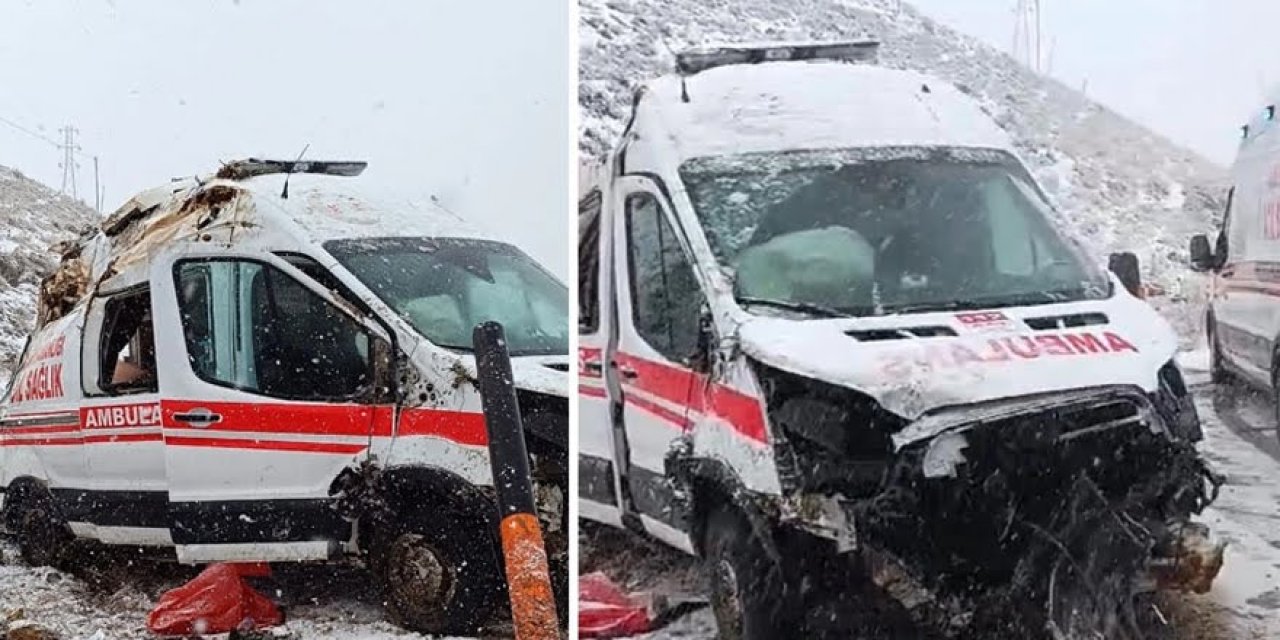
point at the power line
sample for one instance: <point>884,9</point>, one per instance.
<point>31,133</point>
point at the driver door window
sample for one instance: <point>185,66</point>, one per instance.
<point>127,354</point>
<point>252,327</point>
<point>665,297</point>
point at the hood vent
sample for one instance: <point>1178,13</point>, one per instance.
<point>558,366</point>
<point>1072,321</point>
<point>906,333</point>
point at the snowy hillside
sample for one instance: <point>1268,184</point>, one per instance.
<point>1119,185</point>
<point>32,219</point>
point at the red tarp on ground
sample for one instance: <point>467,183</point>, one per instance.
<point>216,601</point>
<point>605,611</point>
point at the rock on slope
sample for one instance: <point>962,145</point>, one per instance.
<point>32,219</point>
<point>1118,185</point>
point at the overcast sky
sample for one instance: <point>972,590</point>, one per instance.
<point>1194,70</point>
<point>464,100</point>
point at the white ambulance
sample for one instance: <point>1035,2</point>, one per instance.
<point>269,364</point>
<point>829,330</point>
<point>1243,317</point>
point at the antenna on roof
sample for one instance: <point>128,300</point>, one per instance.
<point>285,194</point>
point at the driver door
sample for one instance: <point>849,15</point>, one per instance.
<point>271,391</point>
<point>659,304</point>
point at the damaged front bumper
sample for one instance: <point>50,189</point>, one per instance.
<point>1076,502</point>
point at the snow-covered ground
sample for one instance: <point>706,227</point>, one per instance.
<point>332,603</point>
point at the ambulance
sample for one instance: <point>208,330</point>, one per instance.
<point>273,363</point>
<point>1242,319</point>
<point>832,343</point>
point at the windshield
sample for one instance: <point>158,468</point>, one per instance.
<point>888,230</point>
<point>444,287</point>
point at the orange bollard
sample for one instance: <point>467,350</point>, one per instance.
<point>533,603</point>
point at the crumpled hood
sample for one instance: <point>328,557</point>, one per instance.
<point>992,354</point>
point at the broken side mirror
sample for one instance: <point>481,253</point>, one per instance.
<point>382,363</point>
<point>1125,266</point>
<point>1202,258</point>
<point>700,360</point>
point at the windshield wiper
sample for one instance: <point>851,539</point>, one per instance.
<point>799,307</point>
<point>996,302</point>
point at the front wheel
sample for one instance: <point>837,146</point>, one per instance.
<point>438,574</point>
<point>748,589</point>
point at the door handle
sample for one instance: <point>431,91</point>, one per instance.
<point>198,418</point>
<point>628,372</point>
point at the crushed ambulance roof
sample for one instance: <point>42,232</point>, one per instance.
<point>813,105</point>
<point>326,207</point>
<point>332,208</point>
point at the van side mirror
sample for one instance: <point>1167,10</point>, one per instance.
<point>1202,258</point>
<point>701,359</point>
<point>382,364</point>
<point>1125,266</point>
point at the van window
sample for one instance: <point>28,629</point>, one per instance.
<point>665,297</point>
<point>1227,235</point>
<point>127,349</point>
<point>589,263</point>
<point>251,327</point>
<point>886,230</point>
<point>444,287</point>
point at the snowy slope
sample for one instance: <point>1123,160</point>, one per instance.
<point>1119,185</point>
<point>32,219</point>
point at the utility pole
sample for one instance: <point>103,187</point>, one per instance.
<point>97,189</point>
<point>69,151</point>
<point>1028,32</point>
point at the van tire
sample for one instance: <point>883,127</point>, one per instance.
<point>747,587</point>
<point>436,575</point>
<point>1218,373</point>
<point>43,537</point>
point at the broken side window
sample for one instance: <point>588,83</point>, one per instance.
<point>252,327</point>
<point>589,262</point>
<point>127,349</point>
<point>665,297</point>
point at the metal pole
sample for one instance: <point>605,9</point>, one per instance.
<point>97,194</point>
<point>533,603</point>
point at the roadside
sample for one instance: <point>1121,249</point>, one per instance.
<point>319,601</point>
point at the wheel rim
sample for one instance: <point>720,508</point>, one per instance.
<point>728,601</point>
<point>419,576</point>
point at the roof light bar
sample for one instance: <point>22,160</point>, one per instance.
<point>242,169</point>
<point>692,61</point>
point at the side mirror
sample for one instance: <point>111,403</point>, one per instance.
<point>703,355</point>
<point>382,363</point>
<point>1202,258</point>
<point>1125,266</point>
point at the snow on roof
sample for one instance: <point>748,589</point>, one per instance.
<point>813,105</point>
<point>331,208</point>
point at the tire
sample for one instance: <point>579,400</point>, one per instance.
<point>749,591</point>
<point>43,537</point>
<point>1218,373</point>
<point>1275,391</point>
<point>437,574</point>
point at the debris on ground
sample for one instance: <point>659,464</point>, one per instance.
<point>219,600</point>
<point>28,630</point>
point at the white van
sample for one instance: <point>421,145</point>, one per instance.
<point>1243,316</point>
<point>828,329</point>
<point>269,364</point>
